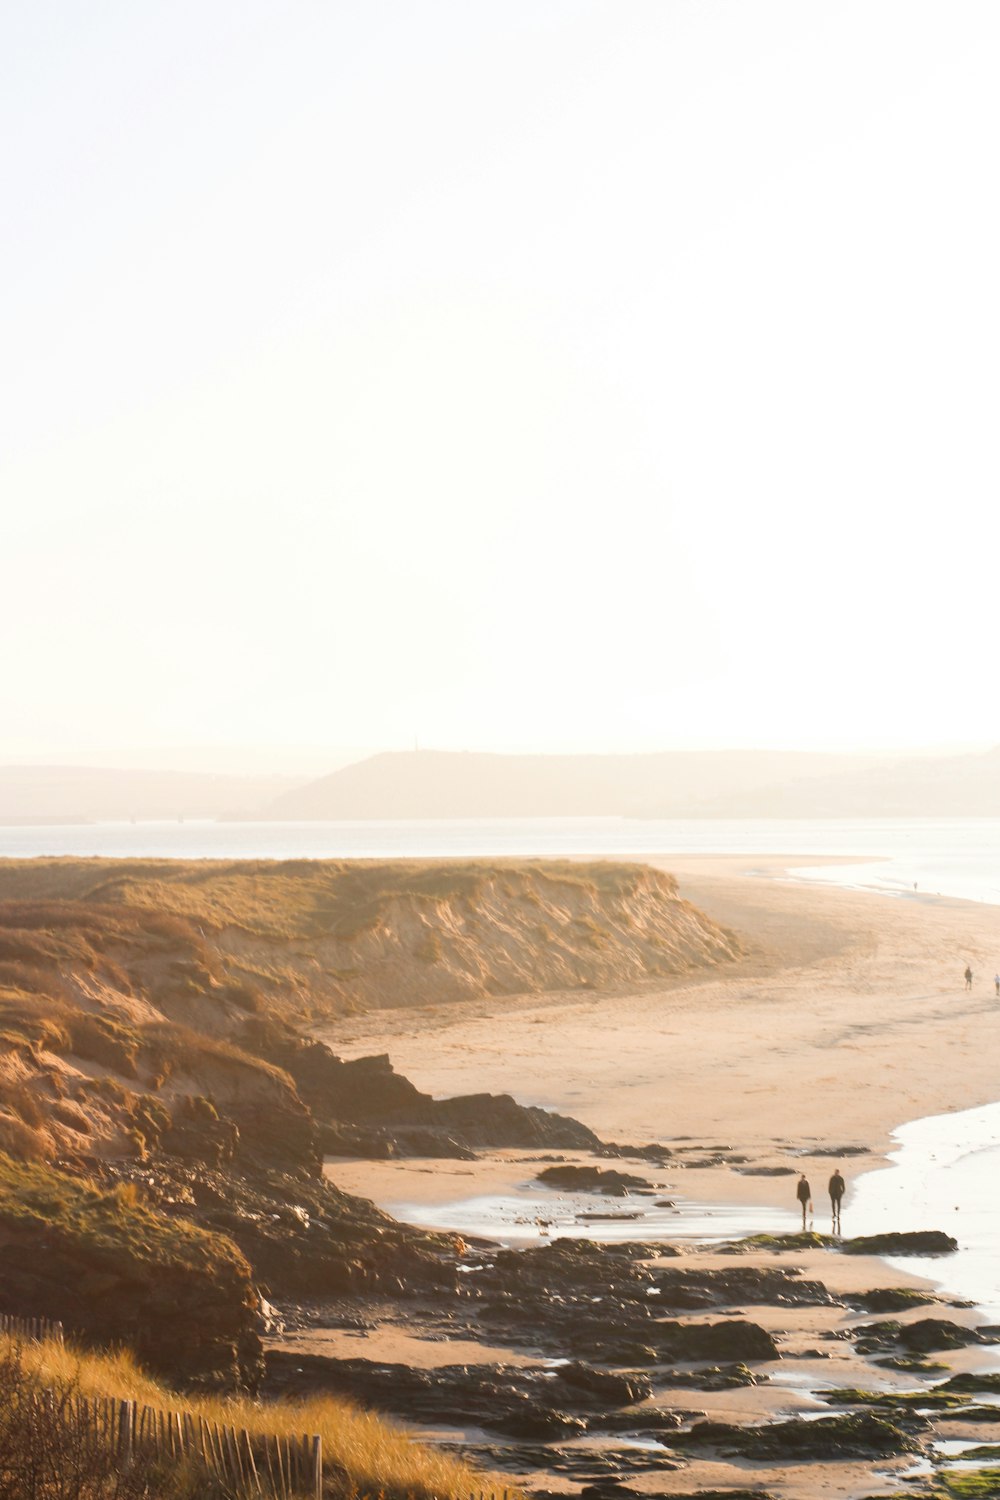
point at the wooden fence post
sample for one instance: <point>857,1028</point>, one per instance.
<point>317,1467</point>
<point>126,1418</point>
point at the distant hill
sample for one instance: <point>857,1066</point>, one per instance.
<point>674,784</point>
<point>940,787</point>
<point>74,794</point>
<point>446,784</point>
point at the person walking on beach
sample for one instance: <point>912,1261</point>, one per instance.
<point>996,981</point>
<point>804,1194</point>
<point>837,1189</point>
<point>968,976</point>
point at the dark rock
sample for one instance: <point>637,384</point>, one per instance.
<point>918,1242</point>
<point>716,1341</point>
<point>594,1302</point>
<point>888,1299</point>
<point>539,1405</point>
<point>534,1423</point>
<point>716,1378</point>
<point>922,1337</point>
<point>797,1240</point>
<point>592,1179</point>
<point>368,1092</point>
<point>683,1288</point>
<point>658,1155</point>
<point>740,1494</point>
<point>651,1422</point>
<point>856,1435</point>
<point>114,1270</point>
<point>766,1171</point>
<point>838,1151</point>
<point>301,1235</point>
<point>604,1386</point>
<point>969,1414</point>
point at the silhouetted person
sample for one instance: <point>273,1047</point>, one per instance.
<point>968,977</point>
<point>996,981</point>
<point>838,1187</point>
<point>804,1194</point>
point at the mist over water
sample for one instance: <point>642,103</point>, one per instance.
<point>942,856</point>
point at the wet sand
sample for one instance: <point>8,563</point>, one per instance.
<point>847,1018</point>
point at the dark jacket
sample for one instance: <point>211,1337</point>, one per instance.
<point>803,1192</point>
<point>837,1186</point>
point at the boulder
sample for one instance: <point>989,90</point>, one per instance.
<point>592,1180</point>
<point>712,1342</point>
<point>855,1435</point>
<point>915,1242</point>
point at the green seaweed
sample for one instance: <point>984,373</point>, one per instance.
<point>981,1484</point>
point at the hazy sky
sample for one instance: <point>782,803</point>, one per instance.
<point>511,373</point>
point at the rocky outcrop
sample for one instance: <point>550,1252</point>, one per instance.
<point>858,1435</point>
<point>916,1242</point>
<point>611,1183</point>
<point>924,1336</point>
<point>367,1104</point>
<point>115,1270</point>
<point>885,1299</point>
<point>532,1403</point>
<point>302,1236</point>
<point>597,1303</point>
<point>682,1289</point>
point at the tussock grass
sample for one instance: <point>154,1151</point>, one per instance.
<point>362,1452</point>
<point>281,898</point>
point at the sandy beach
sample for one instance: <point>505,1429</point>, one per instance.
<point>847,1018</point>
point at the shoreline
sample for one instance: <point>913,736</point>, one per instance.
<point>846,1017</point>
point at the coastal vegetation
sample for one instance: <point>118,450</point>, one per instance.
<point>164,1111</point>
<point>362,1454</point>
<point>317,938</point>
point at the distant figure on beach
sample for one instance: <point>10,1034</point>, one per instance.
<point>996,981</point>
<point>804,1194</point>
<point>837,1189</point>
<point>968,976</point>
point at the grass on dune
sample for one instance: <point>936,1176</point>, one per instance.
<point>362,1452</point>
<point>283,898</point>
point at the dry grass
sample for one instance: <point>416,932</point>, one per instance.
<point>280,898</point>
<point>361,1451</point>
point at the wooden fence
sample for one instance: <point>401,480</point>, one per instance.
<point>31,1330</point>
<point>249,1465</point>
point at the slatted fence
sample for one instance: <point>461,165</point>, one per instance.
<point>32,1330</point>
<point>249,1465</point>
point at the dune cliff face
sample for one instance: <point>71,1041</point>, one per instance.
<point>495,932</point>
<point>320,938</point>
<point>153,1037</point>
<point>125,987</point>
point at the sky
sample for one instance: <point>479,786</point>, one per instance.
<point>521,375</point>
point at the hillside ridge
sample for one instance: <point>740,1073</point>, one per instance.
<point>715,784</point>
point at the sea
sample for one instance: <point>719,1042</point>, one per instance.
<point>930,856</point>
<point>944,1169</point>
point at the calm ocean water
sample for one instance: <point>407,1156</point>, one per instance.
<point>943,1176</point>
<point>946,856</point>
